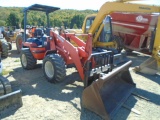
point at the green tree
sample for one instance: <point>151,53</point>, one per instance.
<point>75,26</point>
<point>63,17</point>
<point>56,23</point>
<point>2,23</point>
<point>78,20</point>
<point>13,20</point>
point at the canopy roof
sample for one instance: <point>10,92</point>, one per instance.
<point>43,8</point>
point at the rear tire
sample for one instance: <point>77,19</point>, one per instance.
<point>54,68</point>
<point>19,40</point>
<point>119,43</point>
<point>4,48</point>
<point>27,60</point>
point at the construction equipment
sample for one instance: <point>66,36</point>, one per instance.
<point>57,52</point>
<point>9,99</point>
<point>138,34</point>
<point>135,29</point>
<point>3,44</point>
<point>100,103</point>
<point>20,37</point>
<point>11,34</point>
<point>131,34</point>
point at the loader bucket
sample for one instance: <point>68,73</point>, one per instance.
<point>148,67</point>
<point>9,99</point>
<point>106,95</point>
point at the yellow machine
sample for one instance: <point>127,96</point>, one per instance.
<point>94,24</point>
<point>3,44</point>
<point>104,96</point>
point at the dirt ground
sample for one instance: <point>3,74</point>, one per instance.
<point>45,101</point>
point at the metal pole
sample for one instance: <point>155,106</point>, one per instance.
<point>48,19</point>
<point>25,22</point>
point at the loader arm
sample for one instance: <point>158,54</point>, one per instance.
<point>156,46</point>
<point>73,54</point>
<point>88,62</point>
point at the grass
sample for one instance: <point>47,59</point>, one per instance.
<point>5,72</point>
<point>18,60</point>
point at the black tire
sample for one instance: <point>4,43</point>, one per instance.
<point>4,48</point>
<point>5,86</point>
<point>54,68</point>
<point>9,46</point>
<point>119,43</point>
<point>19,40</point>
<point>27,60</point>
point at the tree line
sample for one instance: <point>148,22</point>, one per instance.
<point>13,16</point>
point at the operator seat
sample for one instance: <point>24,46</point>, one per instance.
<point>38,33</point>
<point>38,36</point>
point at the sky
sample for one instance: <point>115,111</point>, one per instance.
<point>65,4</point>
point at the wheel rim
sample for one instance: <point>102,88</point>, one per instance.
<point>49,69</point>
<point>24,60</point>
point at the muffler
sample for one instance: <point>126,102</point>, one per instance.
<point>107,94</point>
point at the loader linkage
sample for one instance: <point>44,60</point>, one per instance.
<point>105,64</point>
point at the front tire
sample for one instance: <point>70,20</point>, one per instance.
<point>9,46</point>
<point>27,60</point>
<point>54,68</point>
<point>5,86</point>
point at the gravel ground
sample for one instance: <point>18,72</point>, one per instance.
<point>45,101</point>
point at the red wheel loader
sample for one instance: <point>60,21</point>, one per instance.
<point>104,88</point>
